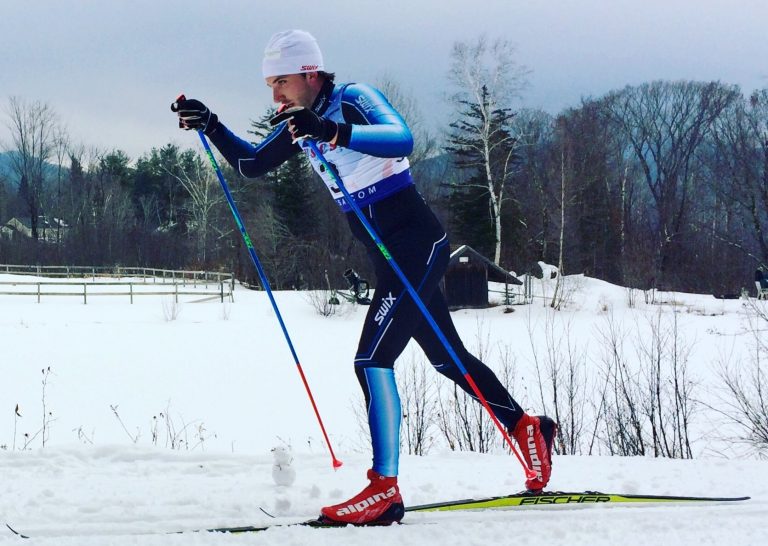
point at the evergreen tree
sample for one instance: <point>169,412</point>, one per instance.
<point>155,182</point>
<point>484,150</point>
<point>293,188</point>
<point>471,219</point>
<point>288,223</point>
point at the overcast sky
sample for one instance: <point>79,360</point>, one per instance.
<point>110,68</point>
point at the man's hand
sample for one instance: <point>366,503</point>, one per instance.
<point>304,123</point>
<point>193,114</point>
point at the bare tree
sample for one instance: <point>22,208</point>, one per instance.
<point>488,79</point>
<point>200,183</point>
<point>666,122</point>
<point>463,421</point>
<point>739,168</point>
<point>424,142</point>
<point>667,401</point>
<point>557,295</point>
<point>619,409</point>
<point>33,128</point>
<point>417,397</point>
<point>562,381</point>
<point>61,150</point>
<point>646,404</point>
<point>744,383</point>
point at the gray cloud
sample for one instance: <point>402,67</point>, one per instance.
<point>111,69</point>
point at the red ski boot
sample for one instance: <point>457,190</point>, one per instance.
<point>378,504</point>
<point>535,436</point>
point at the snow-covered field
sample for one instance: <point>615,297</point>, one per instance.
<point>155,423</point>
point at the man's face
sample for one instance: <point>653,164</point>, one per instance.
<point>293,90</point>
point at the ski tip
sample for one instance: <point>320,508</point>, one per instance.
<point>267,513</point>
<point>15,532</point>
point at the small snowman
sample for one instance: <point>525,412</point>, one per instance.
<point>282,472</point>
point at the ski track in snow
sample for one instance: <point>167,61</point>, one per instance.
<point>109,495</point>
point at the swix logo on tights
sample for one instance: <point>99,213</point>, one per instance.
<point>366,503</point>
<point>386,305</point>
<point>535,461</point>
<point>364,103</point>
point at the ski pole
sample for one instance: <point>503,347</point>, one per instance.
<point>530,473</point>
<point>265,283</point>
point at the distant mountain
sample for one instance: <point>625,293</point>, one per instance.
<point>431,172</point>
<point>5,163</point>
<point>6,169</point>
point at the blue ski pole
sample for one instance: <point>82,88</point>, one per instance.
<point>530,473</point>
<point>265,283</point>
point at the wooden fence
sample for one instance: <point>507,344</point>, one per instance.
<point>151,273</point>
<point>149,282</point>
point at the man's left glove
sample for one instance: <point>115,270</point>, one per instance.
<point>193,114</point>
<point>304,123</point>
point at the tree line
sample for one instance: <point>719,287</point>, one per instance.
<point>659,185</point>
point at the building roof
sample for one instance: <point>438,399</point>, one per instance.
<point>495,273</point>
<point>43,222</point>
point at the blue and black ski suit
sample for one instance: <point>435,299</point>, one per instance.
<point>374,167</point>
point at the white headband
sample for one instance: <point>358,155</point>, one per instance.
<point>291,52</point>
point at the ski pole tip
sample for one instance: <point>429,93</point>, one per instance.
<point>337,464</point>
<point>530,474</point>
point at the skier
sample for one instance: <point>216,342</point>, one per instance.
<point>367,142</point>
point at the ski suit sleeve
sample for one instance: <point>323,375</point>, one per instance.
<point>371,125</point>
<point>252,161</point>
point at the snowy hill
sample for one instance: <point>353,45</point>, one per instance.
<point>160,416</point>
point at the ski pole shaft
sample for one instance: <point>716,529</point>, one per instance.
<point>530,473</point>
<point>265,283</point>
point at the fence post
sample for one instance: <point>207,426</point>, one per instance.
<point>38,292</point>
<point>176,292</point>
<point>131,288</point>
<point>85,297</point>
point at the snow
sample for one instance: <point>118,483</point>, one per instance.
<point>157,423</point>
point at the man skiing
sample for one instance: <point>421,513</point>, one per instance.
<point>366,142</point>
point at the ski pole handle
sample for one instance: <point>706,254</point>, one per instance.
<point>175,104</point>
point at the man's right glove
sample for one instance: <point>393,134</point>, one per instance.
<point>193,114</point>
<point>304,123</point>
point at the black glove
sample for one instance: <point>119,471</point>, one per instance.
<point>304,123</point>
<point>193,114</point>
